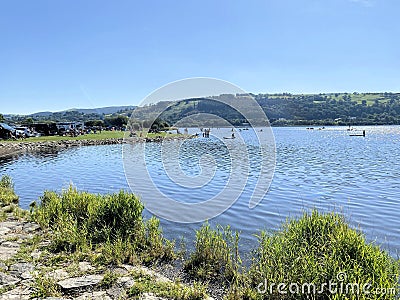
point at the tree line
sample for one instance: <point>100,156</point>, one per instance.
<point>332,109</point>
<point>281,109</point>
<point>119,119</point>
<point>316,109</point>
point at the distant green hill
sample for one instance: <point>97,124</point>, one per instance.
<point>281,109</point>
<point>286,109</point>
<point>100,111</point>
<point>73,114</point>
<point>332,108</point>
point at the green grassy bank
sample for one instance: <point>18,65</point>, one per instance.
<point>104,135</point>
<point>315,250</point>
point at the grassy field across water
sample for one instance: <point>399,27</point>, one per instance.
<point>104,135</point>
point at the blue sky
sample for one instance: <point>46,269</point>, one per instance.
<point>56,55</point>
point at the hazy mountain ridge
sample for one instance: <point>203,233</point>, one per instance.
<point>72,115</point>
<point>100,110</point>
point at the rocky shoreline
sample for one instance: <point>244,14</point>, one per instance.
<point>25,270</point>
<point>12,148</point>
<point>16,148</point>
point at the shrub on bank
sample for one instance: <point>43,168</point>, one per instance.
<point>216,254</point>
<point>7,194</point>
<point>316,250</point>
<point>110,223</point>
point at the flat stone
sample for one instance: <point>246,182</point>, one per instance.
<point>19,293</point>
<point>58,274</point>
<point>36,254</point>
<point>10,244</point>
<point>10,224</point>
<point>117,293</point>
<point>7,253</point>
<point>3,266</point>
<point>7,280</point>
<point>8,208</point>
<point>26,236</point>
<point>80,282</point>
<point>118,290</point>
<point>120,271</point>
<point>150,296</point>
<point>85,266</point>
<point>19,237</point>
<point>101,295</point>
<point>27,275</point>
<point>128,267</point>
<point>44,244</point>
<point>125,281</point>
<point>4,230</point>
<point>31,227</point>
<point>158,277</point>
<point>28,282</point>
<point>21,268</point>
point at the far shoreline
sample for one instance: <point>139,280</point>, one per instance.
<point>10,148</point>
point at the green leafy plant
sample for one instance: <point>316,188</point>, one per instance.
<point>111,223</point>
<point>7,194</point>
<point>109,279</point>
<point>44,286</point>
<point>317,249</point>
<point>216,254</point>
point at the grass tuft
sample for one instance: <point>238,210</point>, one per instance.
<point>109,279</point>
<point>216,254</point>
<point>44,286</point>
<point>318,249</point>
<point>111,224</point>
<point>7,194</point>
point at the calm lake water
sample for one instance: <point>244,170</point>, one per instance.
<point>325,169</point>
